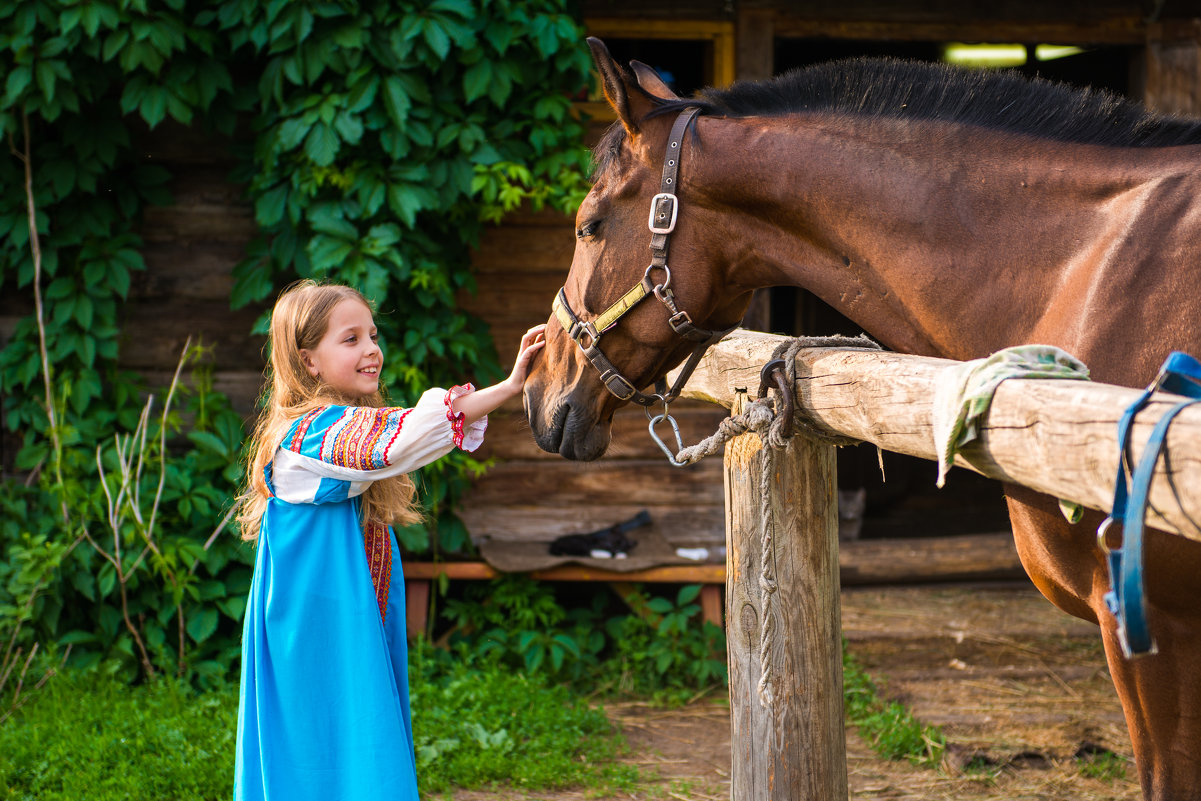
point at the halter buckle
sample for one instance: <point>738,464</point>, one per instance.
<point>579,329</point>
<point>616,383</point>
<point>678,321</point>
<point>664,208</point>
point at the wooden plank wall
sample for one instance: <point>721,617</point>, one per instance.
<point>191,248</point>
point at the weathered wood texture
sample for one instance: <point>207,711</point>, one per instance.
<point>972,557</point>
<point>1058,437</point>
<point>968,557</point>
<point>1173,68</point>
<point>794,748</point>
<point>1070,21</point>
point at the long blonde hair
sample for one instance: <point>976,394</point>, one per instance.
<point>299,321</point>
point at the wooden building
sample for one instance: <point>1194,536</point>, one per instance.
<point>1149,50</point>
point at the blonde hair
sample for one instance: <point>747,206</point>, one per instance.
<point>299,321</point>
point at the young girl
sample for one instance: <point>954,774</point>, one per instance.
<point>324,706</point>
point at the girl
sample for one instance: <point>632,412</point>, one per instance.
<point>324,706</point>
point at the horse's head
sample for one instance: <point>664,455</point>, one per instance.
<point>675,285</point>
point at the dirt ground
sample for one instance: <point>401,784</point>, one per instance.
<point>1019,688</point>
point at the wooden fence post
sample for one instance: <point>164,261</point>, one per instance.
<point>796,749</point>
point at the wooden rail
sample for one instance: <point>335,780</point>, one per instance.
<point>782,578</point>
<point>1057,437</point>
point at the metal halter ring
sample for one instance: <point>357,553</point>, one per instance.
<point>1102,530</point>
<point>666,282</point>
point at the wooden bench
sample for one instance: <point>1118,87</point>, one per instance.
<point>419,575</point>
<point>968,557</point>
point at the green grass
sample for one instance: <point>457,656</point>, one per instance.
<point>889,726</point>
<point>86,736</point>
<point>485,726</point>
<point>1102,764</point>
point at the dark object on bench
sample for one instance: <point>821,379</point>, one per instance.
<point>606,543</point>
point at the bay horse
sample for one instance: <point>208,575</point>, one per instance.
<point>949,213</point>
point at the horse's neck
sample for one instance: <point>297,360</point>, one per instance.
<point>920,232</point>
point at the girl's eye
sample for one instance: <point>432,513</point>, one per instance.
<point>588,230</point>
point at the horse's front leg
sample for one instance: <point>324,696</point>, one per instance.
<point>1161,698</point>
<point>1161,693</point>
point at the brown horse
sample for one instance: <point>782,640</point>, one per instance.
<point>949,214</point>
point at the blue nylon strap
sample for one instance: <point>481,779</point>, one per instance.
<point>1181,375</point>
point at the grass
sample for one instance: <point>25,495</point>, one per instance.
<point>889,726</point>
<point>87,736</point>
<point>1102,764</point>
<point>485,726</point>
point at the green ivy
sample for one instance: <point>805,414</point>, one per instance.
<point>375,139</point>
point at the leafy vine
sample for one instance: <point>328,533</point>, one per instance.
<point>379,138</point>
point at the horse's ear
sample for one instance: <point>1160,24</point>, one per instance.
<point>650,81</point>
<point>628,99</point>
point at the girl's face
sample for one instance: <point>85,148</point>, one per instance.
<point>348,358</point>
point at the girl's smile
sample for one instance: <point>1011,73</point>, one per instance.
<point>348,358</point>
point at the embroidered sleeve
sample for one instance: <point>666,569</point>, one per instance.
<point>468,437</point>
<point>362,444</point>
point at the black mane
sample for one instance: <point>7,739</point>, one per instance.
<point>1003,100</point>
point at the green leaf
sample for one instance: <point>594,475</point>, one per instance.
<point>349,127</point>
<point>153,106</point>
<point>476,81</point>
<point>106,580</point>
<point>436,38</point>
<point>688,594</point>
<point>18,79</point>
<point>659,605</point>
<point>209,442</point>
<point>396,100</point>
<point>46,78</point>
<point>321,145</point>
<point>202,623</point>
<point>269,206</point>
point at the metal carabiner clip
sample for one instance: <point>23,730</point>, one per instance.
<point>671,457</point>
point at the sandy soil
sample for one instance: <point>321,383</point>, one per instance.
<point>1020,690</point>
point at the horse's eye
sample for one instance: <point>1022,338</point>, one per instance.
<point>588,230</point>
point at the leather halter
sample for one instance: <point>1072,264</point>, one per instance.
<point>662,221</point>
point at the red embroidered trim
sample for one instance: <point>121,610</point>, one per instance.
<point>379,559</point>
<point>361,436</point>
<point>303,428</point>
<point>456,419</point>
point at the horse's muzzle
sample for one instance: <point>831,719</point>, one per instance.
<point>566,428</point>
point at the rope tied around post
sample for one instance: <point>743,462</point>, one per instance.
<point>760,415</point>
<point>774,429</point>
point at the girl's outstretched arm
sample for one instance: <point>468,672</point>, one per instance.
<point>479,403</point>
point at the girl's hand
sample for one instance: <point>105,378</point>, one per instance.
<point>531,343</point>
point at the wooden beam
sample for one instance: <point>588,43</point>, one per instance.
<point>1057,437</point>
<point>782,619</point>
<point>476,571</point>
<point>968,557</point>
<point>1122,30</point>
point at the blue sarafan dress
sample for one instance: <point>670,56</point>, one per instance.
<point>324,705</point>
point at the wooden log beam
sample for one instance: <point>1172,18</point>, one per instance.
<point>968,557</point>
<point>1057,437</point>
<point>794,747</point>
